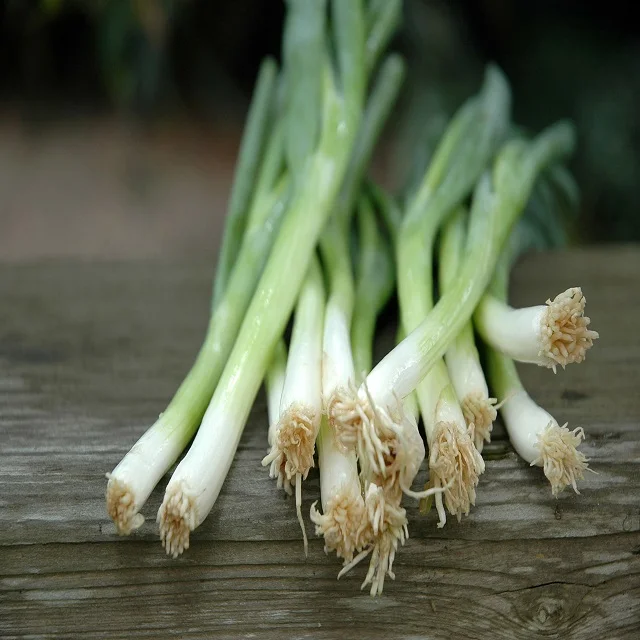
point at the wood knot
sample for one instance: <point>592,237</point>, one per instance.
<point>550,607</point>
<point>549,611</point>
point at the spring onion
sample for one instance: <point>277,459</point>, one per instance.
<point>337,360</point>
<point>274,383</point>
<point>462,358</point>
<point>342,522</point>
<point>337,355</point>
<point>375,525</point>
<point>338,364</point>
<point>497,203</point>
<point>291,249</point>
<point>463,153</point>
<point>135,477</point>
<point>534,433</point>
<point>547,335</point>
<point>294,438</point>
<point>196,482</point>
<point>375,280</point>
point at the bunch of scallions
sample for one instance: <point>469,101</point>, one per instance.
<point>310,242</point>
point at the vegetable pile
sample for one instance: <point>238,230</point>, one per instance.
<point>310,238</point>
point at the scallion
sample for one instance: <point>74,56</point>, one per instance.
<point>551,335</point>
<point>462,357</point>
<point>274,383</point>
<point>496,205</point>
<point>196,483</point>
<point>534,433</point>
<point>135,477</point>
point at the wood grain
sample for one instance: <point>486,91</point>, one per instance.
<point>90,353</point>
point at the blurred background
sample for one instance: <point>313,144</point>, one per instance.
<point>120,120</point>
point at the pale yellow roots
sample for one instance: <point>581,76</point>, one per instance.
<point>386,529</point>
<point>177,518</point>
<point>291,454</point>
<point>566,336</point>
<point>342,524</point>
<point>121,507</point>
<point>376,435</point>
<point>559,457</point>
<point>294,444</point>
<point>455,465</point>
<point>479,413</point>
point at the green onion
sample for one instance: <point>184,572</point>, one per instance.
<point>196,482</point>
<point>274,383</point>
<point>253,139</point>
<point>347,523</point>
<point>375,280</point>
<point>534,433</point>
<point>547,335</point>
<point>338,359</point>
<point>462,357</point>
<point>293,441</point>
<point>466,147</point>
<point>496,206</point>
<point>337,368</point>
<point>342,522</point>
<point>290,249</point>
<point>133,480</point>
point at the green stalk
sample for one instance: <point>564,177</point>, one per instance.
<point>384,93</point>
<point>271,171</point>
<point>133,480</point>
<point>383,18</point>
<point>334,243</point>
<point>375,280</point>
<point>450,257</point>
<point>304,56</point>
<point>197,481</point>
<point>388,207</point>
<point>349,40</point>
<point>462,357</point>
<point>249,159</point>
<point>495,209</point>
<point>467,146</point>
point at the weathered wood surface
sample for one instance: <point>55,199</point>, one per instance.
<point>90,353</point>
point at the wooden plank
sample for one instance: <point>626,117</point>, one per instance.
<point>446,588</point>
<point>90,353</point>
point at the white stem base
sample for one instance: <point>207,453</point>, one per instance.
<point>132,481</point>
<point>538,439</point>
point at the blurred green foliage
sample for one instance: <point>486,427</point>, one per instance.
<point>564,58</point>
<point>137,55</point>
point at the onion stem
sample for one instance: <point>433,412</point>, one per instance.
<point>534,433</point>
<point>462,357</point>
<point>196,482</point>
